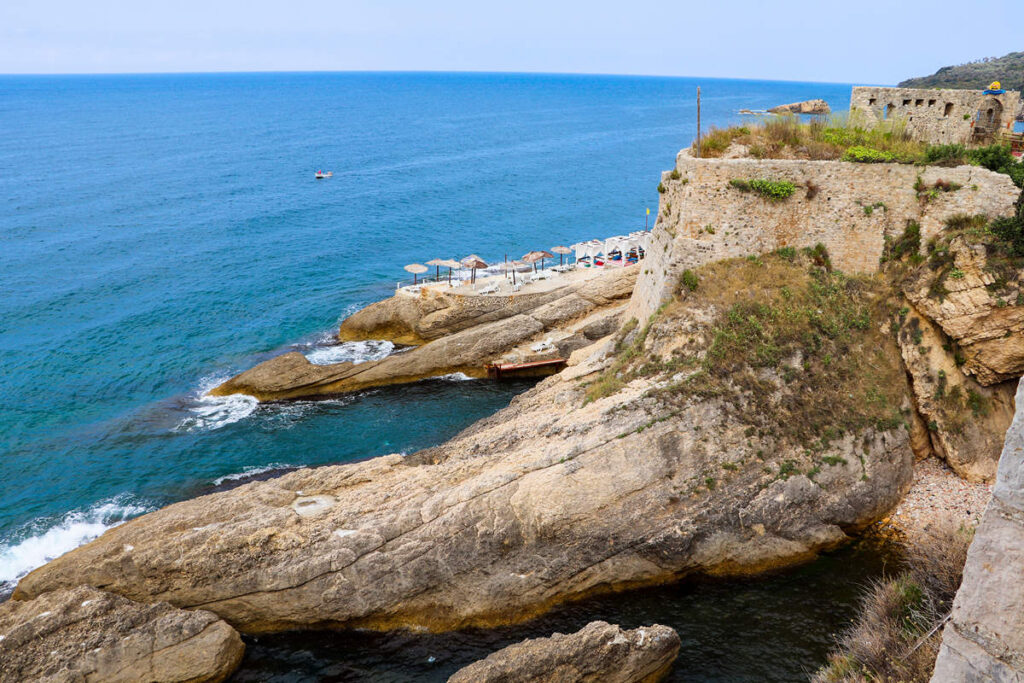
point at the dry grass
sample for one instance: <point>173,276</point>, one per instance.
<point>891,639</point>
<point>786,137</point>
<point>794,347</point>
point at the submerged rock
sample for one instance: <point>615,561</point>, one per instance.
<point>557,496</point>
<point>598,652</point>
<point>84,634</point>
<point>984,640</point>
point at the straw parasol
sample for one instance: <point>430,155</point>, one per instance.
<point>561,251</point>
<point>437,263</point>
<point>473,261</point>
<point>535,256</point>
<point>510,266</point>
<point>446,263</point>
<point>415,269</point>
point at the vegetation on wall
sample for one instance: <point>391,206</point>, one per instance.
<point>773,190</point>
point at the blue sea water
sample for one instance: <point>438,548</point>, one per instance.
<point>160,233</point>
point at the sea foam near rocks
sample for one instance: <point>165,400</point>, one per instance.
<point>350,352</point>
<point>47,538</point>
<point>213,412</point>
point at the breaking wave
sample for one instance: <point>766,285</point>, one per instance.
<point>45,539</point>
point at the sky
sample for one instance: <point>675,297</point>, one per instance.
<point>878,42</point>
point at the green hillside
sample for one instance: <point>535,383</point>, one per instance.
<point>1008,69</point>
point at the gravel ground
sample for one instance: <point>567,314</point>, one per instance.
<point>937,493</point>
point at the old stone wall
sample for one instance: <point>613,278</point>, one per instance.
<point>937,116</point>
<point>848,207</point>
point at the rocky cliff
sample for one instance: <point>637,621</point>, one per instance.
<point>589,482</point>
<point>984,639</point>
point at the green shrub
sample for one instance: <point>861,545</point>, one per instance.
<point>773,190</point>
<point>689,280</point>
<point>908,243</point>
<point>675,174</point>
<point>867,155</point>
<point>661,188</point>
<point>946,155</point>
<point>993,157</point>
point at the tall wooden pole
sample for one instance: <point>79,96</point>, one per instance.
<point>698,122</point>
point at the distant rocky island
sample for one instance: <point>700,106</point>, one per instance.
<point>976,75</point>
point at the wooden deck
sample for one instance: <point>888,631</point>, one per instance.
<point>540,368</point>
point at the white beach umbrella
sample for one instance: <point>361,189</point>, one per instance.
<point>415,269</point>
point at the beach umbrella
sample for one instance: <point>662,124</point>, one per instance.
<point>535,256</point>
<point>449,264</point>
<point>473,261</point>
<point>510,266</point>
<point>437,263</point>
<point>416,268</point>
<point>561,251</point>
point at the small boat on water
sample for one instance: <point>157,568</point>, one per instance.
<point>320,175</point>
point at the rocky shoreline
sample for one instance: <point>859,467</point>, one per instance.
<point>719,417</point>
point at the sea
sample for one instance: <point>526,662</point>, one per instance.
<point>160,233</point>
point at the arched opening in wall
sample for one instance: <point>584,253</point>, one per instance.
<point>887,112</point>
<point>948,110</point>
<point>988,119</point>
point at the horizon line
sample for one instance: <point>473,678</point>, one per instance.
<point>229,72</point>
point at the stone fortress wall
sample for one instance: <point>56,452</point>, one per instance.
<point>848,207</point>
<point>938,116</point>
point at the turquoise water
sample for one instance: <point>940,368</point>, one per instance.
<point>160,233</point>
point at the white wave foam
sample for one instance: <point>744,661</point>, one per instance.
<point>251,472</point>
<point>353,352</point>
<point>455,377</point>
<point>46,539</point>
<point>213,412</point>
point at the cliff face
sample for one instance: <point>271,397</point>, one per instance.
<point>849,208</point>
<point>984,640</point>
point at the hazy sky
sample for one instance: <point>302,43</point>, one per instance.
<point>870,42</point>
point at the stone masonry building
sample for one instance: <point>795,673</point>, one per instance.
<point>939,116</point>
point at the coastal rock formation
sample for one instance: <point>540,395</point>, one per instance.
<point>975,310</point>
<point>84,634</point>
<point>849,208</point>
<point>805,107</point>
<point>962,420</point>
<point>466,333</point>
<point>562,494</point>
<point>437,313</point>
<point>598,652</point>
<point>984,639</point>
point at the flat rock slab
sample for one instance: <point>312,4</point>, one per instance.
<point>84,634</point>
<point>598,652</point>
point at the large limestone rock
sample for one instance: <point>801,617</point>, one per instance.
<point>553,498</point>
<point>83,634</point>
<point>600,652</point>
<point>436,313</point>
<point>984,640</point>
<point>805,107</point>
<point>963,422</point>
<point>982,315</point>
<point>466,332</point>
